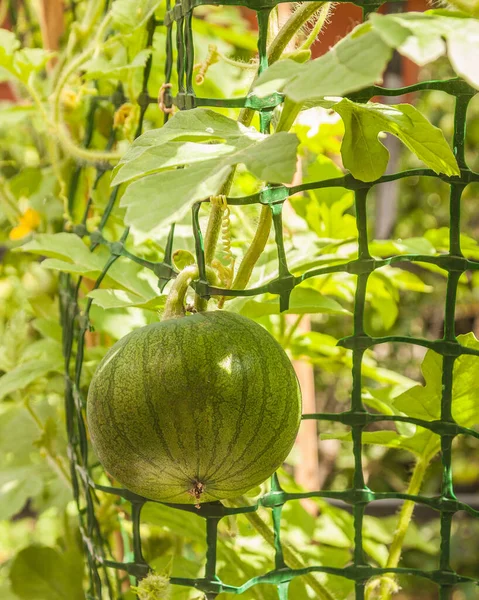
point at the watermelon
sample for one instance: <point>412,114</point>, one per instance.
<point>194,409</point>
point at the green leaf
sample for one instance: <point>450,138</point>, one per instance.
<point>8,46</point>
<point>359,59</point>
<point>41,573</point>
<point>156,201</point>
<point>13,115</point>
<point>62,246</point>
<point>70,254</point>
<point>303,300</point>
<point>355,62</point>
<point>129,15</point>
<point>367,158</point>
<point>179,522</point>
<point>470,7</point>
<point>23,375</point>
<point>420,37</point>
<point>17,485</point>
<point>16,63</point>
<point>122,299</point>
<point>206,145</point>
<point>117,67</point>
<point>17,432</point>
<point>48,328</point>
<point>414,245</point>
<point>424,402</point>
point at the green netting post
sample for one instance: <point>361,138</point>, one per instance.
<point>357,406</point>
<point>211,547</point>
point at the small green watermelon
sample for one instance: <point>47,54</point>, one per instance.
<point>194,409</point>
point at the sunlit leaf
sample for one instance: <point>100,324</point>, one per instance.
<point>355,62</point>
<point>367,158</point>
<point>206,145</point>
<point>41,573</point>
<point>420,37</point>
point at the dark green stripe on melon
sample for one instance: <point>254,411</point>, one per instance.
<point>207,403</point>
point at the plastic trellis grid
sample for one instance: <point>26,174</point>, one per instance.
<point>76,322</point>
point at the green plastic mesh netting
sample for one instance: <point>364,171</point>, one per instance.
<point>76,323</point>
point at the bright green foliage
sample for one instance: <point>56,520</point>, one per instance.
<point>129,16</point>
<point>421,38</point>
<point>112,278</point>
<point>40,573</point>
<point>359,60</point>
<point>367,158</point>
<point>16,63</point>
<point>207,145</point>
<point>355,62</point>
<point>424,402</point>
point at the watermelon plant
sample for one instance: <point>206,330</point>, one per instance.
<point>88,205</point>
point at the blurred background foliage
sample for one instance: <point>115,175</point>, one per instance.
<point>40,547</point>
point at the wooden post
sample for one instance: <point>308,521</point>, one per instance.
<point>51,16</point>
<point>307,472</point>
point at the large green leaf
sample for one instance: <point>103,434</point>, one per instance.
<point>68,253</point>
<point>424,402</point>
<point>42,573</point>
<point>18,431</point>
<point>367,158</point>
<point>355,62</point>
<point>122,299</point>
<point>420,36</point>
<point>359,59</point>
<point>206,145</point>
<point>178,522</point>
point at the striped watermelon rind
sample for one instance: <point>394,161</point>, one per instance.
<point>195,409</point>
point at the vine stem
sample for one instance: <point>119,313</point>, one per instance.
<point>55,123</point>
<point>69,146</point>
<point>255,250</point>
<point>175,301</point>
<point>290,555</point>
<point>174,307</point>
<point>297,20</point>
<point>386,584</point>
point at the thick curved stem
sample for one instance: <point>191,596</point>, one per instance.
<point>254,251</point>
<point>175,303</point>
<point>277,47</point>
<point>301,16</point>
